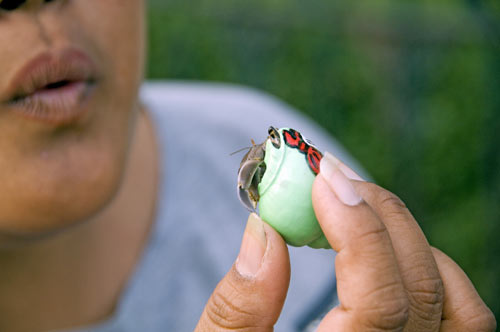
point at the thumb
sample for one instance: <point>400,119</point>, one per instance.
<point>251,295</point>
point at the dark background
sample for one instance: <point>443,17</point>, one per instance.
<point>411,88</point>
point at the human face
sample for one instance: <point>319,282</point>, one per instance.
<point>69,77</point>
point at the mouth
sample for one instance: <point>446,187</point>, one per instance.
<point>54,88</point>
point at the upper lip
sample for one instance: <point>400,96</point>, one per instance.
<point>69,65</point>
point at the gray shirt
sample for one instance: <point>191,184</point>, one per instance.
<point>199,220</point>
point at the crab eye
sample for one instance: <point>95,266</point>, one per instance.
<point>274,136</point>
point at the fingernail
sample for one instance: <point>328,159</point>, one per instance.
<point>333,172</point>
<point>343,167</point>
<point>253,247</point>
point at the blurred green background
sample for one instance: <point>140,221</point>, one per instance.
<point>411,88</point>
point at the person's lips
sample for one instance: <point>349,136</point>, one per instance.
<point>53,88</point>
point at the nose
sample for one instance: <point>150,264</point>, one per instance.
<point>14,4</point>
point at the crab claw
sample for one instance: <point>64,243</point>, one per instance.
<point>249,177</point>
<point>246,199</point>
<point>247,172</point>
<point>252,168</point>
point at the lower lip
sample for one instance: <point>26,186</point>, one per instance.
<point>57,106</point>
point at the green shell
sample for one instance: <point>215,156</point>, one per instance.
<point>285,196</point>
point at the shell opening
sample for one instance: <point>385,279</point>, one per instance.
<point>248,190</point>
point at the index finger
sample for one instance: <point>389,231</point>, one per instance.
<point>370,288</point>
<point>416,263</point>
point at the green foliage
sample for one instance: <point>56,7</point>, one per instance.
<point>410,88</point>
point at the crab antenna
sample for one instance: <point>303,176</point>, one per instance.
<point>242,149</point>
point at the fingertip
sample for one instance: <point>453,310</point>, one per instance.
<point>276,257</point>
<point>322,196</point>
<point>263,254</point>
<point>320,193</point>
<point>253,248</point>
<point>253,292</point>
<point>338,181</point>
<point>324,201</point>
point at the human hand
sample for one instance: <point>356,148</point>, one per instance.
<point>251,295</point>
<point>388,277</point>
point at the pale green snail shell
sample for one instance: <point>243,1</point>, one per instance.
<point>285,196</point>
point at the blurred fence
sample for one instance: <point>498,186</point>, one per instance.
<point>410,88</point>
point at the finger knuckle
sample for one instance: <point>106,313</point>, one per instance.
<point>372,246</point>
<point>427,292</point>
<point>391,316</point>
<point>373,236</point>
<point>426,297</point>
<point>390,313</point>
<point>223,313</point>
<point>391,204</point>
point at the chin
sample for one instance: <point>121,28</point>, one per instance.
<point>72,195</point>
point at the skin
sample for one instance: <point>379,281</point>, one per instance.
<point>58,167</point>
<point>64,190</point>
<point>77,202</point>
<point>388,276</point>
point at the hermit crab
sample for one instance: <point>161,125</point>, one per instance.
<point>277,176</point>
